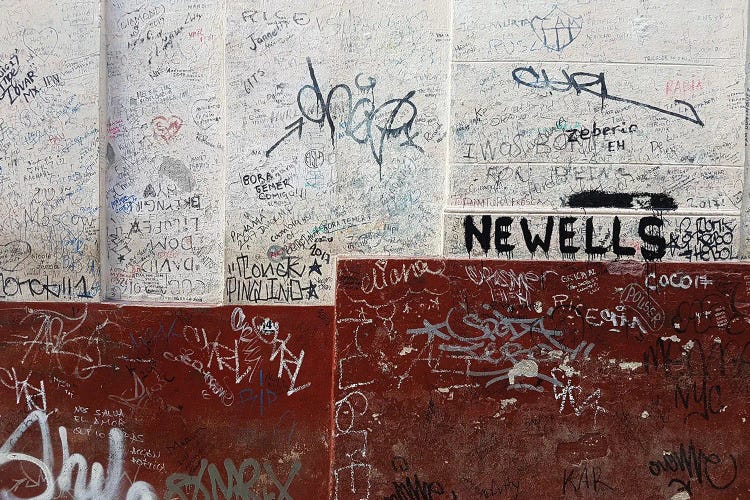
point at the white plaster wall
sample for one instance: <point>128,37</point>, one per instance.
<point>674,73</point>
<point>243,146</point>
<point>164,158</point>
<point>337,133</point>
<point>49,137</point>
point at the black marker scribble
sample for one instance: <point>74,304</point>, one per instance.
<point>360,120</point>
<point>557,29</point>
<point>600,89</point>
<point>597,198</point>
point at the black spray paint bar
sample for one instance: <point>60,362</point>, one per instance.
<point>603,199</point>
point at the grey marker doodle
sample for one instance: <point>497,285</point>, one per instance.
<point>176,170</point>
<point>41,42</point>
<point>13,254</point>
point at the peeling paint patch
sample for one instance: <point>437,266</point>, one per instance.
<point>524,368</point>
<point>630,365</point>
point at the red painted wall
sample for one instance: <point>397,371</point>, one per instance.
<point>232,398</point>
<point>472,379</point>
<point>430,379</point>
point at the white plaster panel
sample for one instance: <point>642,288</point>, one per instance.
<point>497,120</point>
<point>245,145</point>
<point>649,31</point>
<point>337,132</point>
<point>165,150</point>
<point>541,187</point>
<point>632,109</point>
<point>49,150</point>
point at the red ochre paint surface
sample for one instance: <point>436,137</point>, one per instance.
<point>430,379</point>
<point>211,403</point>
<point>472,379</point>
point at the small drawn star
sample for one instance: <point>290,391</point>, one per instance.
<point>121,258</point>
<point>311,291</point>
<point>134,228</point>
<point>315,268</point>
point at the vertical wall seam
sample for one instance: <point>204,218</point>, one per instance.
<point>449,122</point>
<point>225,153</point>
<point>745,204</point>
<point>103,101</point>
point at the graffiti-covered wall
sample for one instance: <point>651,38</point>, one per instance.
<point>430,379</point>
<point>422,249</point>
<point>230,152</point>
<point>50,117</point>
<point>592,130</point>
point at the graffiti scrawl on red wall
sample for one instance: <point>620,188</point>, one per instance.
<point>101,401</point>
<point>429,379</point>
<point>470,379</point>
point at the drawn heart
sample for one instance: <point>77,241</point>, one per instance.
<point>166,128</point>
<point>41,43</point>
